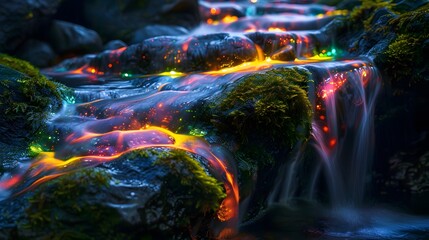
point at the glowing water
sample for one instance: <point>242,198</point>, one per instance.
<point>343,130</point>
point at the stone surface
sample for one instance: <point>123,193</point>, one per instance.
<point>38,53</point>
<point>114,44</point>
<point>67,37</point>
<point>22,19</point>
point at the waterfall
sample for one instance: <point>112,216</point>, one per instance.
<point>342,136</point>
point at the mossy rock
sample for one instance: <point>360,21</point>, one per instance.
<point>405,58</point>
<point>154,193</point>
<point>363,14</point>
<point>57,210</point>
<point>189,198</point>
<point>26,98</point>
<point>268,109</point>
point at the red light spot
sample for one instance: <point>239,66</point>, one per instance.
<point>332,142</point>
<point>325,129</point>
<point>110,65</point>
<point>322,117</point>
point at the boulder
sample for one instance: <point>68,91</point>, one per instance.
<point>155,193</point>
<point>67,37</point>
<point>23,19</point>
<point>38,53</point>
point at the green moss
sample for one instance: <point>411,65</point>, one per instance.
<point>364,13</point>
<point>402,57</point>
<point>196,190</point>
<point>57,211</point>
<point>268,109</point>
<point>405,56</point>
<point>26,96</point>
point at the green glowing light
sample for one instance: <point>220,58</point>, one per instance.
<point>334,51</point>
<point>197,132</point>
<point>127,75</point>
<point>35,149</point>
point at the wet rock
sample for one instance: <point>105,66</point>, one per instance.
<point>284,54</point>
<point>303,44</point>
<point>21,20</point>
<point>26,97</point>
<point>72,38</point>
<point>156,31</point>
<point>290,24</point>
<point>161,54</point>
<point>114,44</point>
<point>157,193</point>
<point>38,53</point>
<point>198,53</point>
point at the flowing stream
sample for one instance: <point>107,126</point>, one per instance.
<point>115,110</point>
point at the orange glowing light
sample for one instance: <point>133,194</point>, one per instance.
<point>209,21</point>
<point>332,84</point>
<point>109,65</point>
<point>322,117</point>
<point>213,11</point>
<point>332,142</point>
<point>325,129</point>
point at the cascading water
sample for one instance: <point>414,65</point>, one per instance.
<point>342,135</point>
<point>126,99</point>
<point>343,131</point>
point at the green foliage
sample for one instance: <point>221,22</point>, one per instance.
<point>26,96</point>
<point>270,109</point>
<point>57,210</point>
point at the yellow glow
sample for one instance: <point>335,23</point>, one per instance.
<point>229,19</point>
<point>172,74</point>
<point>276,29</point>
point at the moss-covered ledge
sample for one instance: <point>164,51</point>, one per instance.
<point>262,116</point>
<point>26,98</point>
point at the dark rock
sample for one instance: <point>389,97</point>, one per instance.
<point>284,54</point>
<point>114,44</point>
<point>198,53</point>
<point>161,54</point>
<point>38,53</point>
<point>118,20</point>
<point>72,38</point>
<point>156,31</point>
<point>22,19</point>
